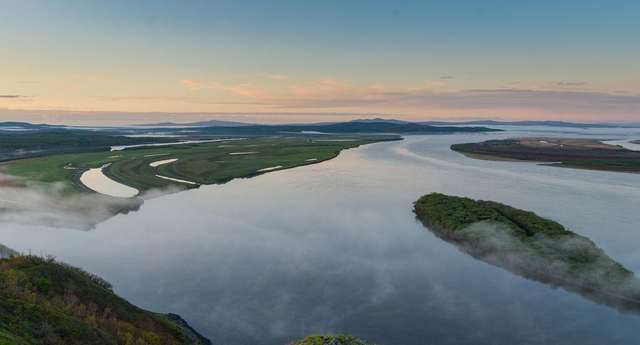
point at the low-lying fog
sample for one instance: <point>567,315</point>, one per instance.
<point>334,247</point>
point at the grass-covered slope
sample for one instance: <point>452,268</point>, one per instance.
<point>329,339</point>
<point>46,302</point>
<point>521,240</point>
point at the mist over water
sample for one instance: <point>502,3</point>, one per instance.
<point>334,247</point>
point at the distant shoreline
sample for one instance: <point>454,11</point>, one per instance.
<point>586,154</point>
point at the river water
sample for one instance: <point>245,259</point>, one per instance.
<point>96,180</point>
<point>334,247</point>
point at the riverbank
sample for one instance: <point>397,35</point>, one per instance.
<point>141,174</point>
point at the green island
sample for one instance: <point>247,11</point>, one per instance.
<point>569,153</point>
<point>522,242</point>
<point>43,301</point>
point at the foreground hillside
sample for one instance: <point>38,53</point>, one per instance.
<point>43,301</point>
<point>46,302</point>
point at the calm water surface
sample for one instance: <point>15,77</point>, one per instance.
<point>334,247</point>
<point>97,181</point>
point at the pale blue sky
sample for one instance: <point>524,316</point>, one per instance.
<point>325,56</point>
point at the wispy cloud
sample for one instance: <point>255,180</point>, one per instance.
<point>199,85</point>
<point>243,89</point>
<point>12,96</point>
<point>280,77</point>
<point>26,82</point>
<point>578,83</point>
<point>146,98</point>
<point>554,97</point>
<point>336,93</point>
<point>559,85</point>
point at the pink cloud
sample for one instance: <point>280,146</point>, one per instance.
<point>547,98</point>
<point>199,85</point>
<point>280,77</point>
<point>243,89</point>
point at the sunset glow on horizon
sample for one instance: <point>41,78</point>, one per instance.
<point>122,62</point>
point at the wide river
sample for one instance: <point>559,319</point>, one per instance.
<point>335,247</point>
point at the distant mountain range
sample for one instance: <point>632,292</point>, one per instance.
<point>354,127</point>
<point>510,123</point>
<point>220,123</point>
<point>23,126</point>
<point>209,123</point>
<point>534,123</point>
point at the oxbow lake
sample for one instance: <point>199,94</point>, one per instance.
<point>335,247</point>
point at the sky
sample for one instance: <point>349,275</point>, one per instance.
<point>125,62</point>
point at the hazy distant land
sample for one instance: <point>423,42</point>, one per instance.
<point>401,122</point>
<point>589,154</point>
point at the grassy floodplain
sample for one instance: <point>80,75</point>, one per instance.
<point>205,163</point>
<point>569,153</point>
<point>521,241</point>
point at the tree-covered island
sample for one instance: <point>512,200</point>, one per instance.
<point>519,241</point>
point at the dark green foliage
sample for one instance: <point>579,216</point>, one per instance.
<point>330,339</point>
<point>515,238</point>
<point>44,286</point>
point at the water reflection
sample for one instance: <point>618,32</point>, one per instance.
<point>621,304</point>
<point>626,143</point>
<point>96,180</point>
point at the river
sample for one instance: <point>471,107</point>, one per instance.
<point>334,247</point>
